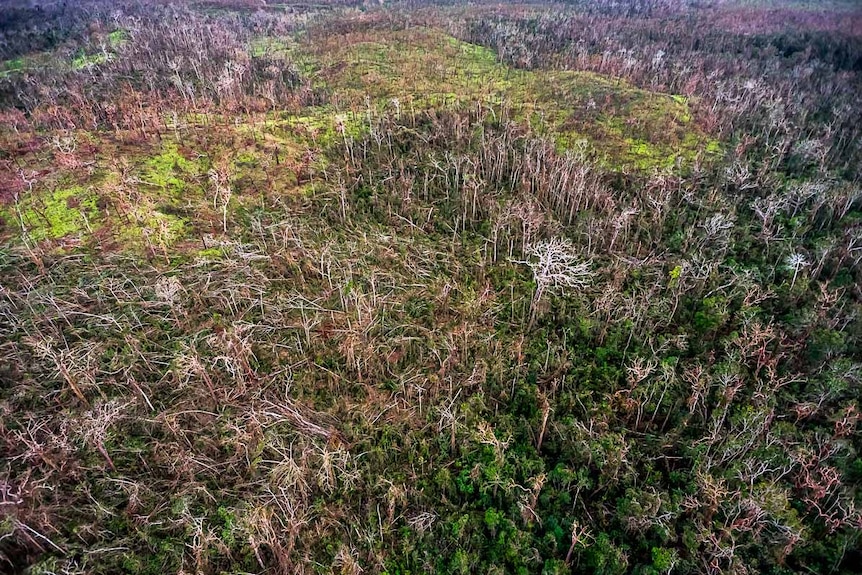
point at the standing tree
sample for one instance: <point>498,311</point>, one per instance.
<point>796,261</point>
<point>555,264</point>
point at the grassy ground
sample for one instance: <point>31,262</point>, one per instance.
<point>625,127</point>
<point>134,196</point>
<point>103,47</point>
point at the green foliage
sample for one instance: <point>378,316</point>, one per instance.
<point>604,558</point>
<point>662,559</point>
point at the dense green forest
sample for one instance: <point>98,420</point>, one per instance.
<point>414,287</point>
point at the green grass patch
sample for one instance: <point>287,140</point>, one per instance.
<point>118,38</point>
<point>171,170</point>
<point>113,42</point>
<point>9,66</point>
<point>61,213</point>
<point>269,46</point>
<point>625,127</point>
<point>26,63</point>
<point>83,60</point>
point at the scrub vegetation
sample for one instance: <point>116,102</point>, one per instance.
<point>430,287</point>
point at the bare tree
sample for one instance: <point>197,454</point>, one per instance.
<point>555,265</point>
<point>796,262</point>
<point>222,192</point>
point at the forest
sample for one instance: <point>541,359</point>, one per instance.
<point>405,287</point>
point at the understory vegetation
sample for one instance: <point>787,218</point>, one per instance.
<point>430,288</point>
